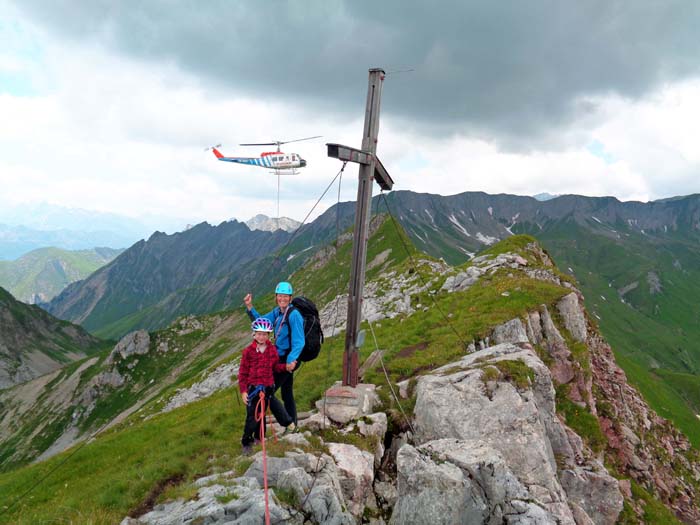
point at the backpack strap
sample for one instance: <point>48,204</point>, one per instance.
<point>285,319</point>
<point>290,308</point>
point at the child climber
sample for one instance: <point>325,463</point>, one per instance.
<point>255,375</point>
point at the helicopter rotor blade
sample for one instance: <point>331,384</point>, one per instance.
<point>280,142</point>
<point>299,140</point>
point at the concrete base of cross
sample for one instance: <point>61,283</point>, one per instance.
<point>343,404</point>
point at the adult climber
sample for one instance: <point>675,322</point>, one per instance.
<point>288,326</point>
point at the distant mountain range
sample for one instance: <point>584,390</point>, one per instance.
<point>26,227</point>
<point>40,275</point>
<point>156,280</point>
<point>636,264</point>
<point>553,418</point>
<point>16,241</point>
<point>33,343</point>
<point>269,224</point>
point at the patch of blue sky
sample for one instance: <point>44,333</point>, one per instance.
<point>20,56</point>
<point>597,148</point>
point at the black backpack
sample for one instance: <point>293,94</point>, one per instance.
<point>313,335</point>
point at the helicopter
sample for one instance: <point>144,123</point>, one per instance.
<point>280,163</point>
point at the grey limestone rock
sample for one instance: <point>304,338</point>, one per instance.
<point>573,316</point>
<point>518,422</point>
<point>451,481</point>
<point>512,331</point>
<point>134,343</point>
<point>245,507</point>
<point>597,493</point>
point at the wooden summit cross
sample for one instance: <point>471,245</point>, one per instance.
<point>370,168</point>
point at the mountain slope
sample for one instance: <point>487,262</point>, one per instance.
<point>40,275</point>
<point>152,270</point>
<point>426,314</point>
<point>642,253</point>
<point>636,264</point>
<point>33,343</point>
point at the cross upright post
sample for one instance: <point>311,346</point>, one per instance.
<point>370,168</point>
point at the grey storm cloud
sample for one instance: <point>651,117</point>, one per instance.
<point>511,71</point>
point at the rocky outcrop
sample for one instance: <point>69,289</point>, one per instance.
<point>640,444</point>
<point>34,343</point>
<point>484,264</point>
<point>134,343</point>
<point>327,489</point>
<point>451,481</point>
<point>499,402</point>
<point>220,378</point>
<point>386,298</point>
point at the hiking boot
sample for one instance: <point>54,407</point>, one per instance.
<point>247,450</point>
<point>291,429</point>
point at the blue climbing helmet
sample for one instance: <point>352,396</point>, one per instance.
<point>262,325</point>
<point>285,288</point>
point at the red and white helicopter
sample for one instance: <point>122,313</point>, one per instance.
<point>280,163</point>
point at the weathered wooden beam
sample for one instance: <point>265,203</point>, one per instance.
<point>348,154</point>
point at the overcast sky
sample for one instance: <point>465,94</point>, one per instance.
<point>109,105</point>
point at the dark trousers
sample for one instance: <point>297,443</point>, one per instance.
<point>251,432</point>
<point>284,381</point>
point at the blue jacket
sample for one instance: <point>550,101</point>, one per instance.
<point>294,321</point>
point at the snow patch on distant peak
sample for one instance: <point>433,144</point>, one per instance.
<point>513,220</point>
<point>596,219</point>
<point>461,228</point>
<point>486,239</point>
<point>418,235</point>
<point>290,257</point>
<point>467,252</point>
<point>431,219</point>
<point>490,211</point>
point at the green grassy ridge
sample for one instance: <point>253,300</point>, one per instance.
<point>190,445</point>
<point>332,278</point>
<point>106,479</point>
<point>223,292</point>
<point>644,339</point>
<point>258,277</point>
<point>28,328</point>
<point>50,270</point>
<point>115,472</point>
<point>144,371</point>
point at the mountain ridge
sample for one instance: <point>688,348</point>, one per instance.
<point>41,274</point>
<point>510,294</point>
<point>33,343</point>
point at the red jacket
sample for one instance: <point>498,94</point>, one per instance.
<point>256,368</point>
